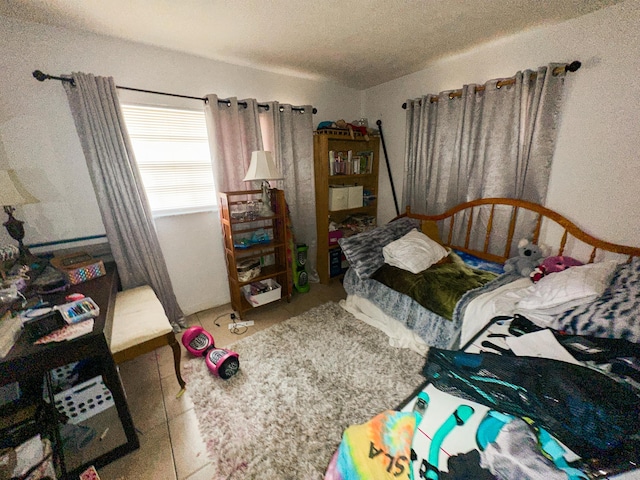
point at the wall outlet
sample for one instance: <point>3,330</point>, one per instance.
<point>240,324</point>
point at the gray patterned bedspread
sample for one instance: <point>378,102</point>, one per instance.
<point>435,330</point>
<point>615,314</point>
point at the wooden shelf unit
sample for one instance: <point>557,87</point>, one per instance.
<point>323,143</point>
<point>234,229</point>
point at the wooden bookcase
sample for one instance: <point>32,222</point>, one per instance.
<point>331,140</point>
<point>272,254</point>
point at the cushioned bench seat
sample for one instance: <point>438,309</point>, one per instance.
<point>140,326</point>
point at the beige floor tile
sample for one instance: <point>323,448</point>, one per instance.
<point>334,291</point>
<point>317,295</point>
<point>152,461</point>
<point>205,473</point>
<point>146,405</point>
<point>174,405</point>
<point>189,450</point>
<point>141,381</point>
<point>142,369</point>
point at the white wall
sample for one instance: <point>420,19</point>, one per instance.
<point>596,170</point>
<point>39,140</point>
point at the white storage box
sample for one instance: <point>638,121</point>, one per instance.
<point>355,196</point>
<point>338,197</point>
<point>263,292</point>
<point>84,400</point>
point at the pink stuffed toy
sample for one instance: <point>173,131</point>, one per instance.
<point>553,265</point>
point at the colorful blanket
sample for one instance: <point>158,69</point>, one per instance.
<point>377,450</point>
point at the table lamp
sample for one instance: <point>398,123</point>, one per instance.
<point>13,193</point>
<point>263,168</point>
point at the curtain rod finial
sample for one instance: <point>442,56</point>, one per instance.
<point>574,66</point>
<point>38,75</point>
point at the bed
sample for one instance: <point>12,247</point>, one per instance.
<point>599,299</point>
<point>483,233</point>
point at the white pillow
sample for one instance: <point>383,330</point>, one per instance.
<point>574,286</point>
<point>414,252</point>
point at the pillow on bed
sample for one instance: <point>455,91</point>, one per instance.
<point>364,250</point>
<point>569,288</point>
<point>414,252</point>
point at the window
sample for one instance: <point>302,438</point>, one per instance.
<point>172,153</point>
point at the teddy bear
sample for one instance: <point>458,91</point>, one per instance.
<point>553,264</point>
<point>529,257</point>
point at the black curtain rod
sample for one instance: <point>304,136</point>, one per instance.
<point>569,67</point>
<point>38,75</point>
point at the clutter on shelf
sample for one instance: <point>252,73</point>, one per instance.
<point>259,237</point>
<point>357,126</point>
<point>353,224</point>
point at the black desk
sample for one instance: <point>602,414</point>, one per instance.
<point>26,360</point>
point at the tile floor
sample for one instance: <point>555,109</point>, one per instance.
<point>170,443</point>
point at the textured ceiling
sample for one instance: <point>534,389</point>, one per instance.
<point>360,43</point>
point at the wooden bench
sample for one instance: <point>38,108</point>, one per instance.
<point>140,326</point>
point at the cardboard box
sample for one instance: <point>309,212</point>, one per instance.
<point>338,197</point>
<point>268,296</point>
<point>355,196</point>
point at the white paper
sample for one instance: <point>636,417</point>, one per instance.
<point>541,344</point>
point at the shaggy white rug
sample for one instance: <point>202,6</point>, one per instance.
<point>300,384</point>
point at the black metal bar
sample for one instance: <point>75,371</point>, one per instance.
<point>38,75</point>
<point>386,157</point>
<point>163,93</point>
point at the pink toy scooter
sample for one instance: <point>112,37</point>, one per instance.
<point>222,362</point>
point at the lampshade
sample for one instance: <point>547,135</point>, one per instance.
<point>262,167</point>
<point>12,192</point>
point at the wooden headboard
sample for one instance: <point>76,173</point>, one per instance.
<point>490,228</point>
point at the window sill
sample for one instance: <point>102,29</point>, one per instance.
<point>184,211</point>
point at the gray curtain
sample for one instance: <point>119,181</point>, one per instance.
<point>498,142</point>
<point>234,132</point>
<point>119,190</point>
<point>288,134</point>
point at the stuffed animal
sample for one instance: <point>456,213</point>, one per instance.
<point>553,264</point>
<point>351,127</point>
<point>529,257</point>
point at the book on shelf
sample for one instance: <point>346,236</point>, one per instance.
<point>345,162</point>
<point>366,161</point>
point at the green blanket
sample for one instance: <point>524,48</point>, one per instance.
<point>439,287</point>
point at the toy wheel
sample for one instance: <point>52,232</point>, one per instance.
<point>229,368</point>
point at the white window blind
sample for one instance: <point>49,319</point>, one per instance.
<point>172,153</point>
